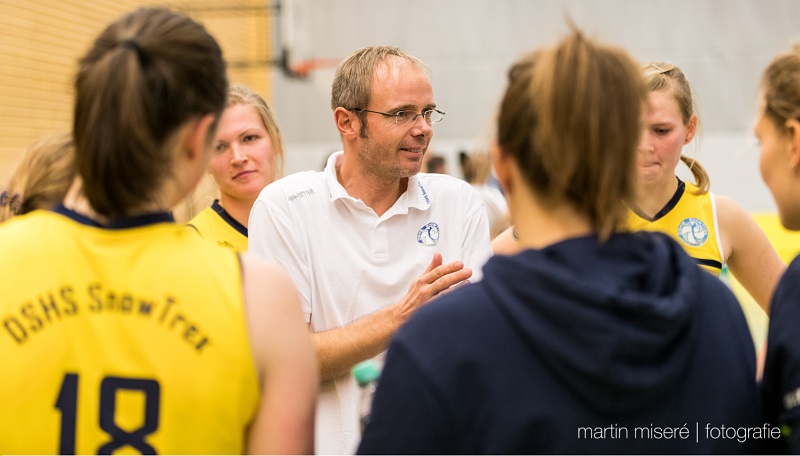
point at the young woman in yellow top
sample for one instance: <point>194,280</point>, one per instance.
<point>248,155</point>
<point>713,229</point>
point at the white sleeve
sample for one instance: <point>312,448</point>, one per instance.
<point>273,236</point>
<point>476,246</point>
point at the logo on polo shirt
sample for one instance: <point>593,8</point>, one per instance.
<point>428,235</point>
<point>424,193</point>
<point>302,194</point>
<point>693,232</point>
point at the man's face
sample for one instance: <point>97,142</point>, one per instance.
<point>390,150</point>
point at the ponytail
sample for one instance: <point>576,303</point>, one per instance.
<point>146,75</point>
<point>701,179</point>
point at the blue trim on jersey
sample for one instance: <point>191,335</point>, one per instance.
<point>228,219</point>
<point>668,207</point>
<point>117,224</point>
<point>709,263</point>
<point>141,220</point>
<point>80,218</point>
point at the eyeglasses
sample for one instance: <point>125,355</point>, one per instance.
<point>431,116</point>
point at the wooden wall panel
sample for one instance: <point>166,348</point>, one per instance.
<point>41,41</point>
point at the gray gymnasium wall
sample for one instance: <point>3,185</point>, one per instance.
<point>722,46</point>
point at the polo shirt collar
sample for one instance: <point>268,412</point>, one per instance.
<point>417,195</point>
<point>336,189</point>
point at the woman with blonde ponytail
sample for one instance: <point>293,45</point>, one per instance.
<point>713,229</point>
<point>42,178</point>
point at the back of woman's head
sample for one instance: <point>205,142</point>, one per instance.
<point>240,94</point>
<point>146,75</point>
<point>42,178</point>
<point>662,76</point>
<point>780,87</point>
<point>571,120</point>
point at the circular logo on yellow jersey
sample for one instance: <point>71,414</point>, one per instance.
<point>693,232</point>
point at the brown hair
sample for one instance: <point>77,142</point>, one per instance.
<point>42,178</point>
<point>571,119</point>
<point>780,87</point>
<point>147,74</point>
<point>352,82</point>
<point>434,162</point>
<point>660,76</point>
<point>239,94</point>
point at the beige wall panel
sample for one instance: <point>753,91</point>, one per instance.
<point>41,41</point>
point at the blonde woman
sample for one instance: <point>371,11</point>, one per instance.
<point>713,229</point>
<point>42,178</point>
<point>248,156</point>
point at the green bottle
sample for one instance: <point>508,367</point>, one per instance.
<point>366,374</point>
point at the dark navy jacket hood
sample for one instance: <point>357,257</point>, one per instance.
<point>639,285</point>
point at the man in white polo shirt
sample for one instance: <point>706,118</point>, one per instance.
<point>368,240</point>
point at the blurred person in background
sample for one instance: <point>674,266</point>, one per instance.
<point>478,172</point>
<point>42,178</point>
<point>435,164</point>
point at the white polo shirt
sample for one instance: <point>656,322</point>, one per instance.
<point>347,262</point>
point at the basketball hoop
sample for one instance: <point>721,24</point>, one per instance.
<point>303,68</point>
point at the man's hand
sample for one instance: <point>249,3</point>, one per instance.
<point>339,349</point>
<point>436,279</point>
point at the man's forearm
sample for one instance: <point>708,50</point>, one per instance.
<point>339,349</point>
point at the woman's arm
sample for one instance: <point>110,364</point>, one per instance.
<point>748,252</point>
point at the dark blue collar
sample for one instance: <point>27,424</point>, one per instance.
<point>227,217</point>
<point>669,206</point>
<point>119,223</point>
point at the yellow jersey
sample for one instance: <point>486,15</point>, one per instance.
<point>129,339</point>
<point>215,224</point>
<point>691,219</point>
